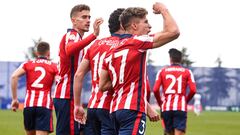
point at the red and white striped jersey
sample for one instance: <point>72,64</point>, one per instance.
<point>126,63</point>
<point>174,80</point>
<point>70,55</point>
<point>96,54</point>
<point>40,75</point>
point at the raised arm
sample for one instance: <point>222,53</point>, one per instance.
<point>73,47</point>
<point>170,29</point>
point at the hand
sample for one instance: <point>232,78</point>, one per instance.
<point>14,105</point>
<point>158,8</point>
<point>96,26</point>
<point>152,114</point>
<point>79,114</point>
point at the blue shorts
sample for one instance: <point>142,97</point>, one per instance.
<point>174,120</point>
<point>129,122</point>
<point>38,118</point>
<point>66,125</point>
<point>98,122</point>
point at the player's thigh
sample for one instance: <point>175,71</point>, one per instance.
<point>107,127</point>
<point>40,132</point>
<point>180,120</point>
<point>64,109</point>
<point>29,118</point>
<point>44,119</point>
<point>30,132</point>
<point>167,117</point>
<point>131,122</point>
<point>93,125</point>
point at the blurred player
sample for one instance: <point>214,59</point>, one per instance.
<point>98,120</point>
<point>40,74</point>
<point>124,69</point>
<point>197,106</point>
<point>70,55</point>
<point>174,80</point>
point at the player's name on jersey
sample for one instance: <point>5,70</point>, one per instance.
<point>175,69</point>
<point>42,61</point>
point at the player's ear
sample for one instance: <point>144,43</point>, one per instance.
<point>134,26</point>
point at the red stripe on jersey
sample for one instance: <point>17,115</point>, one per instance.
<point>36,95</point>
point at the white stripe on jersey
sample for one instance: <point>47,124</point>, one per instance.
<point>129,96</point>
<point>183,103</point>
<point>64,86</point>
<point>48,101</point>
<point>192,77</point>
<point>146,38</point>
<point>95,97</point>
<point>26,98</point>
<point>40,98</point>
<point>168,102</point>
<point>67,37</point>
<point>102,99</point>
<point>32,96</point>
<point>120,92</point>
<point>175,102</point>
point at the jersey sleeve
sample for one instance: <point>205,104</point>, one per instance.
<point>192,86</point>
<point>23,66</point>
<point>143,42</point>
<point>73,44</point>
<point>156,88</point>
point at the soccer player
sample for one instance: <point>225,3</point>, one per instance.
<point>174,80</point>
<point>197,106</point>
<point>98,120</point>
<point>124,69</point>
<point>70,55</point>
<point>40,75</point>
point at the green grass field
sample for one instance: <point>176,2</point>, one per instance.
<point>208,123</point>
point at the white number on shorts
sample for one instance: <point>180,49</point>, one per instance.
<point>143,127</point>
<point>37,83</point>
<point>170,89</point>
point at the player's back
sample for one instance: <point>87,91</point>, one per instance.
<point>40,75</point>
<point>128,61</point>
<point>96,54</point>
<point>174,81</point>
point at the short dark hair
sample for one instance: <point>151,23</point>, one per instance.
<point>130,14</point>
<point>175,55</point>
<point>43,48</point>
<point>113,21</point>
<point>78,8</point>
